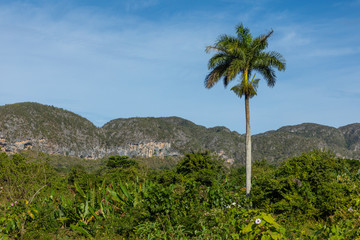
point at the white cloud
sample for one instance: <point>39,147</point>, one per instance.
<point>334,52</point>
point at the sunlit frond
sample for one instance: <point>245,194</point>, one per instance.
<point>243,34</point>
<point>277,60</point>
<point>234,68</point>
<point>243,89</point>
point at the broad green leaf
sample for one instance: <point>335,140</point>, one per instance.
<point>78,188</point>
<point>268,218</point>
<point>62,219</point>
<point>86,211</point>
<point>81,230</point>
<point>247,228</point>
<point>102,209</point>
<point>4,237</point>
<point>114,195</point>
<point>92,197</point>
<point>271,220</point>
<point>126,192</point>
<point>275,235</point>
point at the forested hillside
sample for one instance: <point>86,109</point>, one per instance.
<point>54,130</point>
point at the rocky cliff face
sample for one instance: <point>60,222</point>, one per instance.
<point>57,131</point>
<point>352,136</point>
<point>148,149</point>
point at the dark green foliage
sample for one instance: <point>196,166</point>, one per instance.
<point>312,196</point>
<point>202,167</point>
<point>121,169</point>
<point>120,162</point>
<point>78,175</point>
<point>195,162</point>
<point>307,186</point>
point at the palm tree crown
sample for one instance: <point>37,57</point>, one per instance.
<point>243,54</point>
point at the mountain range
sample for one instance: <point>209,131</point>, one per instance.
<point>56,131</point>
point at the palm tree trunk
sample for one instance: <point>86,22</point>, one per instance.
<point>248,147</point>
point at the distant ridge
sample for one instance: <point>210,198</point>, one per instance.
<point>57,131</point>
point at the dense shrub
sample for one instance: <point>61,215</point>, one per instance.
<point>312,196</point>
<point>304,186</point>
<point>202,167</point>
<point>120,162</point>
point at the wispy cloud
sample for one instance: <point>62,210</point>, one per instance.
<point>78,58</point>
<point>292,39</point>
<point>335,52</point>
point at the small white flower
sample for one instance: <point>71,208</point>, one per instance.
<point>350,209</point>
<point>258,221</point>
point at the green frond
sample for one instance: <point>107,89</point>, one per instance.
<point>270,59</point>
<point>208,49</point>
<point>277,60</point>
<point>215,75</point>
<point>237,89</point>
<point>225,40</point>
<point>255,82</point>
<point>230,45</point>
<point>234,68</point>
<point>218,59</point>
<point>226,81</point>
<point>269,75</point>
<point>264,64</point>
<point>243,89</point>
<point>243,34</point>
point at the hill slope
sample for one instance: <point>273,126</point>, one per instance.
<point>293,140</point>
<point>54,130</point>
<point>48,129</point>
<point>181,134</point>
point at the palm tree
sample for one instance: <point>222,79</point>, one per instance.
<point>242,55</point>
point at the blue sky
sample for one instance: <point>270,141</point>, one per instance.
<point>117,59</point>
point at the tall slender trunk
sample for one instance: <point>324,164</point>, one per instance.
<point>248,147</point>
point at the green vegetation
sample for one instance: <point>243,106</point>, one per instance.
<point>242,55</point>
<point>311,196</point>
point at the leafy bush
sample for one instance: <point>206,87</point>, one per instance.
<point>120,162</point>
<point>202,167</point>
<point>304,186</point>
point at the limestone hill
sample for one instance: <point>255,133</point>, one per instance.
<point>54,130</point>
